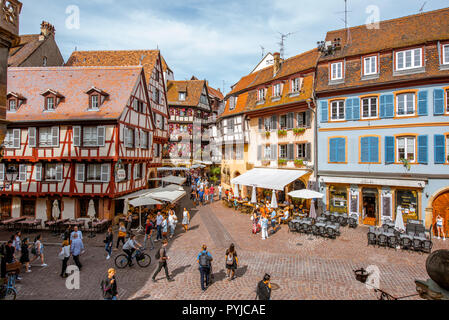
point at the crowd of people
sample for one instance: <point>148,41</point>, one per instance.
<point>203,192</point>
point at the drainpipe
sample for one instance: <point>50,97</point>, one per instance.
<point>315,144</point>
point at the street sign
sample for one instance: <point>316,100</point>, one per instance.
<point>120,175</point>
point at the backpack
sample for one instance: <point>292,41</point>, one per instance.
<point>33,249</point>
<point>158,254</point>
<point>204,260</point>
<point>230,259</point>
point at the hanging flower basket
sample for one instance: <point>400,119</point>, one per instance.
<point>282,133</point>
<point>299,162</point>
<point>298,131</point>
<point>282,162</point>
<point>405,163</point>
<point>267,134</point>
<point>266,162</point>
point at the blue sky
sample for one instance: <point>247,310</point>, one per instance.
<point>211,39</point>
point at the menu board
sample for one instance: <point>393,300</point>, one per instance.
<point>407,204</point>
<point>386,205</point>
<point>354,208</point>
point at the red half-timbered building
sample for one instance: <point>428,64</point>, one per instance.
<point>75,134</point>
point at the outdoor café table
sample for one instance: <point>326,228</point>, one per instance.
<point>26,224</point>
<point>11,222</point>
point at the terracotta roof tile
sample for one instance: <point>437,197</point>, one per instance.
<point>239,107</point>
<point>215,93</point>
<point>72,83</point>
<point>395,33</point>
<point>194,88</point>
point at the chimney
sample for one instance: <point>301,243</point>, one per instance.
<point>277,63</point>
<point>47,30</point>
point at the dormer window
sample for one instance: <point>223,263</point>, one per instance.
<point>50,103</point>
<point>96,98</point>
<point>296,85</point>
<point>277,90</point>
<point>337,71</point>
<point>182,96</point>
<point>409,59</point>
<point>15,100</point>
<point>12,105</point>
<point>445,53</point>
<point>261,94</point>
<point>51,99</point>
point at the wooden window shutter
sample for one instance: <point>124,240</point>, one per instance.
<point>38,172</point>
<point>308,151</point>
<point>17,138</point>
<point>290,155</point>
<point>259,153</point>
<point>55,136</point>
<point>105,168</point>
<point>274,152</point>
<point>101,136</point>
<point>438,141</point>
<point>22,172</point>
<point>80,170</point>
<point>77,136</point>
<point>136,139</point>
<point>59,171</point>
<point>389,150</point>
<point>32,137</point>
<point>2,171</point>
<point>422,149</point>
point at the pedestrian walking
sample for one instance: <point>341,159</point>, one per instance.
<point>129,221</point>
<point>25,257</point>
<point>109,242</point>
<point>185,219</point>
<point>109,286</point>
<point>77,232</point>
<point>172,221</point>
<point>64,255</point>
<point>161,255</point>
<point>164,226</point>
<point>264,288</point>
<point>220,190</point>
<point>38,251</point>
<point>201,196</point>
<point>76,248</point>
<point>211,193</point>
<point>121,234</point>
<point>148,234</point>
<point>17,243</point>
<point>159,219</point>
<point>231,262</point>
<point>264,225</point>
<point>205,262</point>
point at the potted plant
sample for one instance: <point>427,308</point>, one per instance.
<point>299,162</point>
<point>282,133</point>
<point>267,134</point>
<point>282,162</point>
<point>298,131</point>
<point>405,163</point>
<point>266,162</point>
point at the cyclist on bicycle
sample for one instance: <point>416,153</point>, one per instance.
<point>130,246</point>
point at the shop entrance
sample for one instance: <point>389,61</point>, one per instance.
<point>441,208</point>
<point>369,206</point>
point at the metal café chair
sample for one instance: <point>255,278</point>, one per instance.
<point>291,226</point>
<point>372,238</point>
<point>315,230</point>
<point>322,231</point>
<point>406,243</point>
<point>427,246</point>
<point>392,242</point>
<point>352,221</point>
<point>417,244</point>
<point>331,233</point>
<point>298,226</point>
<point>382,240</point>
<point>333,218</point>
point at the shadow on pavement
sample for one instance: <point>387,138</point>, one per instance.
<point>219,276</point>
<point>240,272</point>
<point>179,270</point>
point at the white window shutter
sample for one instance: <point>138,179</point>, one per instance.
<point>32,137</point>
<point>136,139</point>
<point>125,136</point>
<point>17,138</point>
<point>77,136</point>
<point>2,171</point>
<point>59,169</point>
<point>105,172</point>
<point>38,168</point>
<point>55,136</point>
<point>129,171</point>
<point>22,172</point>
<point>101,133</point>
<point>80,169</point>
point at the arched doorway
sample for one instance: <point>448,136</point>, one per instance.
<point>441,207</point>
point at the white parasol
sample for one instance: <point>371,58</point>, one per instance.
<point>253,195</point>
<point>399,223</point>
<point>126,207</point>
<point>274,203</point>
<point>91,209</point>
<point>312,210</point>
<point>55,212</point>
<point>305,194</point>
<point>236,190</point>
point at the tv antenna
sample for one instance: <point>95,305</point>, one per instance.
<point>345,20</point>
<point>282,42</point>
<point>422,8</point>
<point>263,51</point>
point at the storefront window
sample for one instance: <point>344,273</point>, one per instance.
<point>338,199</point>
<point>407,204</point>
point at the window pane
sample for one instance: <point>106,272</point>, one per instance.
<point>365,108</point>
<point>408,59</point>
<point>401,104</point>
<point>400,57</point>
<point>341,110</point>
<point>373,107</point>
<point>417,54</point>
<point>446,54</point>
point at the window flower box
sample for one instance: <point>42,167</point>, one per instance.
<point>298,131</point>
<point>282,162</point>
<point>267,134</point>
<point>266,162</point>
<point>299,162</point>
<point>282,133</point>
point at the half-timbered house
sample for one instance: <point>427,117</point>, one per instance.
<point>75,134</point>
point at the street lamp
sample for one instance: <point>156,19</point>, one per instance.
<point>11,175</point>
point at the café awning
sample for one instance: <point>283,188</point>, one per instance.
<point>173,179</point>
<point>275,179</point>
<point>376,181</point>
<point>144,201</point>
<point>172,169</point>
<point>168,196</point>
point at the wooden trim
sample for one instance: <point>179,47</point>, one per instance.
<point>378,152</point>
<point>367,96</point>
<point>329,109</point>
<point>328,150</point>
<point>409,125</point>
<point>405,135</point>
<point>396,93</point>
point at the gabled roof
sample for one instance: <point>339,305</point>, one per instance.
<point>72,82</point>
<point>145,58</point>
<point>215,93</point>
<point>396,33</point>
<point>28,44</point>
<point>102,92</point>
<point>53,92</point>
<point>193,88</point>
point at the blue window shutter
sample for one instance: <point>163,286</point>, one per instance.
<point>373,149</point>
<point>324,111</point>
<point>341,153</point>
<point>364,149</point>
<point>356,109</point>
<point>333,150</point>
<point>382,106</point>
<point>439,148</point>
<point>422,103</point>
<point>389,106</point>
<point>389,149</point>
<point>348,111</point>
<point>438,101</point>
<point>422,149</point>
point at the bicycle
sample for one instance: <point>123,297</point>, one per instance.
<point>9,291</point>
<point>142,259</point>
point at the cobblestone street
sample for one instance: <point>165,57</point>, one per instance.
<point>301,266</point>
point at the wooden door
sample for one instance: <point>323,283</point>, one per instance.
<point>441,207</point>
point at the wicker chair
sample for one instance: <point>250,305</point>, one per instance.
<point>331,233</point>
<point>392,242</point>
<point>427,246</point>
<point>332,218</point>
<point>307,229</point>
<point>372,238</point>
<point>315,230</point>
<point>417,245</point>
<point>291,226</point>
<point>352,221</point>
<point>382,240</point>
<point>406,243</point>
<point>322,231</point>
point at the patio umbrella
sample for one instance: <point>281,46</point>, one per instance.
<point>312,210</point>
<point>55,212</point>
<point>399,223</point>
<point>253,195</point>
<point>126,207</point>
<point>274,203</point>
<point>306,194</point>
<point>91,209</point>
<point>236,191</point>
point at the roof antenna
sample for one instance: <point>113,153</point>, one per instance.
<point>76,48</point>
<point>422,8</point>
<point>263,51</point>
<point>345,20</point>
<point>282,43</point>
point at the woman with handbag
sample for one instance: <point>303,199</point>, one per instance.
<point>64,255</point>
<point>38,250</point>
<point>231,262</point>
<point>25,257</point>
<point>108,242</point>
